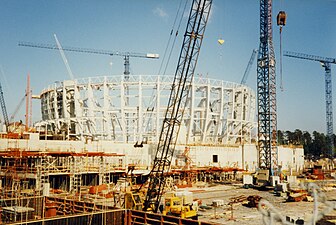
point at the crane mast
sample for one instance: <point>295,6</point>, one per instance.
<point>326,63</point>
<point>266,91</point>
<point>192,41</point>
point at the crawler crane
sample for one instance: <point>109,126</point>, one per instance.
<point>193,37</point>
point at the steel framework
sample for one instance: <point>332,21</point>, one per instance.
<point>217,112</point>
<point>266,87</point>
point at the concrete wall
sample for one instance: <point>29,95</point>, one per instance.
<point>222,156</point>
<point>291,158</point>
<point>132,155</point>
<point>244,157</point>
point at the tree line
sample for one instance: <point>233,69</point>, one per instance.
<point>315,145</point>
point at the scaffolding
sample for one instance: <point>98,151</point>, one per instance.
<point>28,178</point>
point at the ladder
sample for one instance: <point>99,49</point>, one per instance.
<point>75,175</point>
<point>104,175</point>
<point>42,174</point>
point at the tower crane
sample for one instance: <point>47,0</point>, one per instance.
<point>326,63</point>
<point>248,67</point>
<point>192,41</point>
<point>266,91</point>
<point>126,55</point>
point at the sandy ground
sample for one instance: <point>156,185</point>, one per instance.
<point>244,215</point>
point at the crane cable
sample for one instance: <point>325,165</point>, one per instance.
<point>170,36</point>
<point>281,80</point>
<point>152,103</point>
<point>176,34</point>
<point>280,31</point>
<point>281,21</point>
<point>168,43</point>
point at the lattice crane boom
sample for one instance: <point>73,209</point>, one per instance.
<point>65,60</point>
<point>309,57</point>
<point>16,110</point>
<point>3,108</point>
<point>193,37</point>
<point>126,55</point>
<point>249,65</point>
<point>326,63</point>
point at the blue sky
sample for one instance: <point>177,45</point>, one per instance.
<point>144,26</point>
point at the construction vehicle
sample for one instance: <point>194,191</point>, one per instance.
<point>180,204</point>
<point>262,177</point>
<point>193,37</point>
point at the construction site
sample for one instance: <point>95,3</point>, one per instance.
<point>151,149</point>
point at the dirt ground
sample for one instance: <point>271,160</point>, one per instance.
<point>244,215</point>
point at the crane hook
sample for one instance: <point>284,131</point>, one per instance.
<point>281,21</point>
